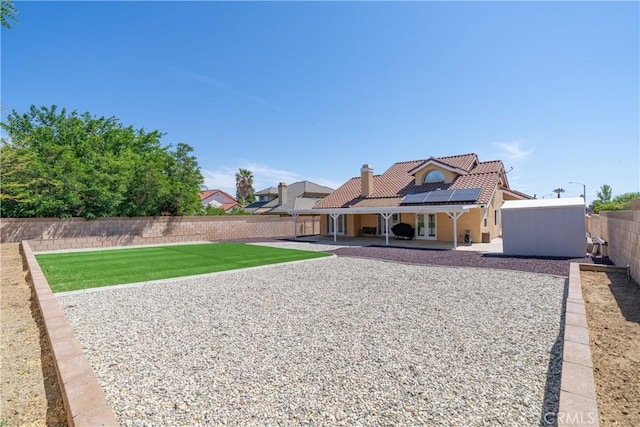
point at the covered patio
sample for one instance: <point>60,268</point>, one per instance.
<point>452,211</point>
<point>494,247</point>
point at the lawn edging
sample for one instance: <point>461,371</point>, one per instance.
<point>578,401</point>
<point>84,399</point>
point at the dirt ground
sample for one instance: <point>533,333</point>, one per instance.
<point>613,315</point>
<point>30,392</point>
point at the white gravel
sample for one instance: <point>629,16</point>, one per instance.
<point>338,341</point>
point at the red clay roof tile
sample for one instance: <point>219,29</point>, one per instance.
<point>396,182</point>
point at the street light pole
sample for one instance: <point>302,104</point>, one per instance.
<point>584,190</point>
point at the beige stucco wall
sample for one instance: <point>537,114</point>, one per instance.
<point>621,229</point>
<point>494,230</point>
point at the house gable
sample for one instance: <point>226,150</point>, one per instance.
<point>217,198</point>
<point>449,174</point>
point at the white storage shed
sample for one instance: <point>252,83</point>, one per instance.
<point>544,227</point>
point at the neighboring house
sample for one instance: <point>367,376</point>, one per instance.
<point>218,199</point>
<point>262,198</point>
<point>449,199</point>
<point>287,198</point>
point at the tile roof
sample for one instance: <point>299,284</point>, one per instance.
<point>397,181</point>
<point>297,194</point>
<point>486,181</point>
<point>462,161</point>
<point>208,193</point>
<point>297,203</point>
<point>491,166</point>
<point>516,193</point>
<point>227,206</point>
<point>267,191</point>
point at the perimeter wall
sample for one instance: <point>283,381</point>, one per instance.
<point>621,230</point>
<point>53,233</point>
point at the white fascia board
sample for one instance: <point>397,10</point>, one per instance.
<point>391,209</point>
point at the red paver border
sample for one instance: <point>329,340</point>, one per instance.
<point>84,399</point>
<point>578,405</point>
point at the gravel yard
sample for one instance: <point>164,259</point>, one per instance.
<point>335,341</point>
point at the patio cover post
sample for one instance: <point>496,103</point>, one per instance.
<point>335,225</point>
<point>386,217</point>
<point>454,216</point>
<point>295,224</point>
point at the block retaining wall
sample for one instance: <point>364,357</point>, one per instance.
<point>621,230</point>
<point>84,399</point>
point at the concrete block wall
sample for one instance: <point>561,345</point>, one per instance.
<point>52,233</point>
<point>621,229</point>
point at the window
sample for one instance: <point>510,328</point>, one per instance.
<point>434,176</point>
<point>485,221</point>
<point>496,218</point>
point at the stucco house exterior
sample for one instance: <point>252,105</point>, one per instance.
<point>286,198</point>
<point>218,199</point>
<point>447,199</point>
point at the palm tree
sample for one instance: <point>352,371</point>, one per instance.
<point>604,195</point>
<point>8,13</point>
<point>244,187</point>
<point>558,191</point>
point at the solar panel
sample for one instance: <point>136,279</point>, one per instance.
<point>466,195</point>
<point>414,198</point>
<point>439,196</point>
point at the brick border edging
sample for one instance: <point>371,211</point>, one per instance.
<point>84,399</point>
<point>578,401</point>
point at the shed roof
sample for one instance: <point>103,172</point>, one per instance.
<point>543,203</point>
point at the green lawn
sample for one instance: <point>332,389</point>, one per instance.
<point>81,270</point>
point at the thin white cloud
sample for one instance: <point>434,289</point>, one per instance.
<point>512,150</point>
<point>219,85</point>
<point>221,179</point>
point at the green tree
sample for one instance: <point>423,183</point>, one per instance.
<point>604,195</point>
<point>8,13</point>
<point>59,164</point>
<point>618,203</point>
<point>244,187</point>
<point>558,191</point>
<point>185,179</point>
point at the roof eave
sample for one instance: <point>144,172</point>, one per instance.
<point>390,209</point>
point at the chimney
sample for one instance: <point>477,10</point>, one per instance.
<point>282,193</point>
<point>366,181</point>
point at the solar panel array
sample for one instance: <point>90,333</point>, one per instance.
<point>466,195</point>
<point>443,196</point>
<point>414,198</point>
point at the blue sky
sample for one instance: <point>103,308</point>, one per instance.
<point>312,90</point>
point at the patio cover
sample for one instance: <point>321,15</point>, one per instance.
<point>453,211</point>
